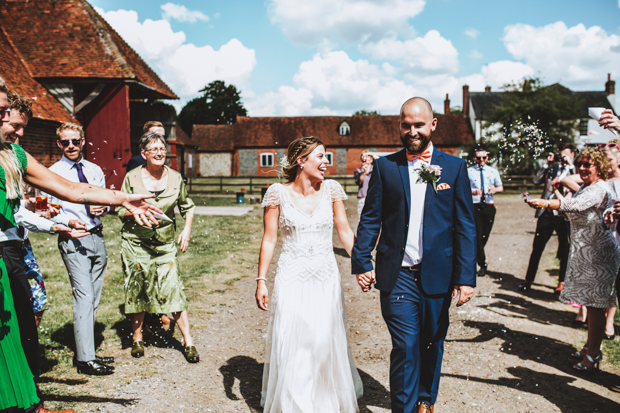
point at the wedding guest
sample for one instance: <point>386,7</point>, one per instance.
<point>594,257</point>
<point>86,258</point>
<point>485,182</point>
<point>362,177</point>
<point>308,363</point>
<point>549,221</point>
<point>150,264</point>
<point>17,387</point>
<point>150,126</point>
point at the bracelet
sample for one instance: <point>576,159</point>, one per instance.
<point>261,278</point>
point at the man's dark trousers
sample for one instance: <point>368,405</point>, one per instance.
<point>484,216</point>
<point>20,288</point>
<point>547,223</point>
<point>418,324</point>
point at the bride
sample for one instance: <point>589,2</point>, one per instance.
<point>308,363</point>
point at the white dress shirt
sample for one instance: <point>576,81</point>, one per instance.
<point>94,175</point>
<point>30,221</point>
<point>414,247</point>
<point>491,178</point>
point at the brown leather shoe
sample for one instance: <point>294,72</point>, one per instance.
<point>559,288</point>
<point>426,408</point>
<point>42,409</point>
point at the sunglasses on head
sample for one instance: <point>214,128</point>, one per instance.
<point>65,143</point>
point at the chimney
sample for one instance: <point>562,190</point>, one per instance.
<point>466,101</point>
<point>487,89</point>
<point>610,90</point>
<point>446,105</point>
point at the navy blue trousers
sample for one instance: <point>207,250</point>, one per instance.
<point>418,324</point>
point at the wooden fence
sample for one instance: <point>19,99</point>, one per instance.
<point>254,184</point>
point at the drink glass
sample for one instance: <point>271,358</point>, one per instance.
<point>41,201</point>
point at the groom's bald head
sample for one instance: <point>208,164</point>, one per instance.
<point>418,106</point>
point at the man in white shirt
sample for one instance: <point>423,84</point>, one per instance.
<point>485,182</point>
<point>85,258</point>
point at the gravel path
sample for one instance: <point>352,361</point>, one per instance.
<point>506,351</point>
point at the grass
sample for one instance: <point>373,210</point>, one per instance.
<point>222,251</point>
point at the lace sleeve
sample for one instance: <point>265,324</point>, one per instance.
<point>335,190</point>
<point>594,196</point>
<point>272,196</point>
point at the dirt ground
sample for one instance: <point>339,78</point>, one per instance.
<point>506,351</point>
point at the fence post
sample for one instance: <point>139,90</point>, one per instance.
<point>221,184</point>
<point>251,187</point>
<point>190,183</point>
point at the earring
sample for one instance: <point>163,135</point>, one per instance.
<point>301,166</point>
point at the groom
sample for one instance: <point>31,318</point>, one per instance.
<point>427,251</point>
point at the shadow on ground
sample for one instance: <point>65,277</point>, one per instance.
<point>249,373</point>
<point>89,399</point>
<point>555,388</point>
<point>65,339</point>
<point>154,332</point>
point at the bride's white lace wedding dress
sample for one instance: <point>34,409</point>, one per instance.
<point>308,362</point>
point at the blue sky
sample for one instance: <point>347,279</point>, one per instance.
<point>333,57</point>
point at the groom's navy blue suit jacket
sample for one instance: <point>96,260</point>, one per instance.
<point>449,231</point>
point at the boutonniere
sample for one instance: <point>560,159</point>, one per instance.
<point>429,174</point>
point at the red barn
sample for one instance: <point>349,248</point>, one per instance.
<point>77,68</point>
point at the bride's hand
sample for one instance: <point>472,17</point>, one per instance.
<point>262,296</point>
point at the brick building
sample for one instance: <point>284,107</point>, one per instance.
<point>77,68</point>
<point>254,146</point>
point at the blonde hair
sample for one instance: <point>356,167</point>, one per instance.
<point>13,180</point>
<point>299,148</point>
<point>70,126</point>
<point>597,157</point>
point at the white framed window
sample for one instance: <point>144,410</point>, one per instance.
<point>583,127</point>
<point>344,129</point>
<point>266,159</point>
<point>330,158</point>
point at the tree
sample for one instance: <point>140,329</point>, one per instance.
<point>529,120</point>
<point>366,113</point>
<point>219,105</point>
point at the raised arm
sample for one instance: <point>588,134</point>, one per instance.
<point>42,178</point>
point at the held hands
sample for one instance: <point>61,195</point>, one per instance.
<point>141,210</point>
<point>366,280</point>
<point>262,295</point>
<point>465,293</point>
<point>67,232</point>
<point>183,240</point>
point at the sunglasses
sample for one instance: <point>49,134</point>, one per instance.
<point>65,143</point>
<point>481,157</point>
<point>609,145</point>
<point>586,165</point>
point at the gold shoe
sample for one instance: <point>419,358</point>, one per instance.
<point>191,354</point>
<point>137,349</point>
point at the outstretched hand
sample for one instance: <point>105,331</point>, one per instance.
<point>141,210</point>
<point>464,292</point>
<point>366,280</point>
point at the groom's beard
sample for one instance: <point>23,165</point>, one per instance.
<point>417,145</point>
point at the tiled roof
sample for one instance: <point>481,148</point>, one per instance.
<point>483,103</point>
<point>14,73</point>
<point>259,132</point>
<point>68,39</point>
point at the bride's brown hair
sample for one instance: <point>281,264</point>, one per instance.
<point>299,148</point>
<point>13,180</point>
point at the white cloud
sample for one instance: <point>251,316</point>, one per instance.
<point>312,22</point>
<point>473,33</point>
<point>181,13</point>
<point>475,54</point>
<point>185,67</point>
<point>429,54</point>
<point>578,57</point>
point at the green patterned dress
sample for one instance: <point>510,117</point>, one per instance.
<point>16,381</point>
<point>149,255</point>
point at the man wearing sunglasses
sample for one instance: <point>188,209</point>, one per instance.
<point>85,258</point>
<point>557,167</point>
<point>485,182</point>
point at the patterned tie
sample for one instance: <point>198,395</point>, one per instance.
<point>483,201</point>
<point>82,179</point>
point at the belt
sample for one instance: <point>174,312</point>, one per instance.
<point>414,268</point>
<point>97,229</point>
<point>13,243</point>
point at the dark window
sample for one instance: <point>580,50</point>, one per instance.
<point>330,158</point>
<point>266,159</point>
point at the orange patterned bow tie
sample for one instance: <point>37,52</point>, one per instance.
<point>425,156</point>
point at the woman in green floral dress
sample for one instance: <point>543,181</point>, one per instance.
<point>149,255</point>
